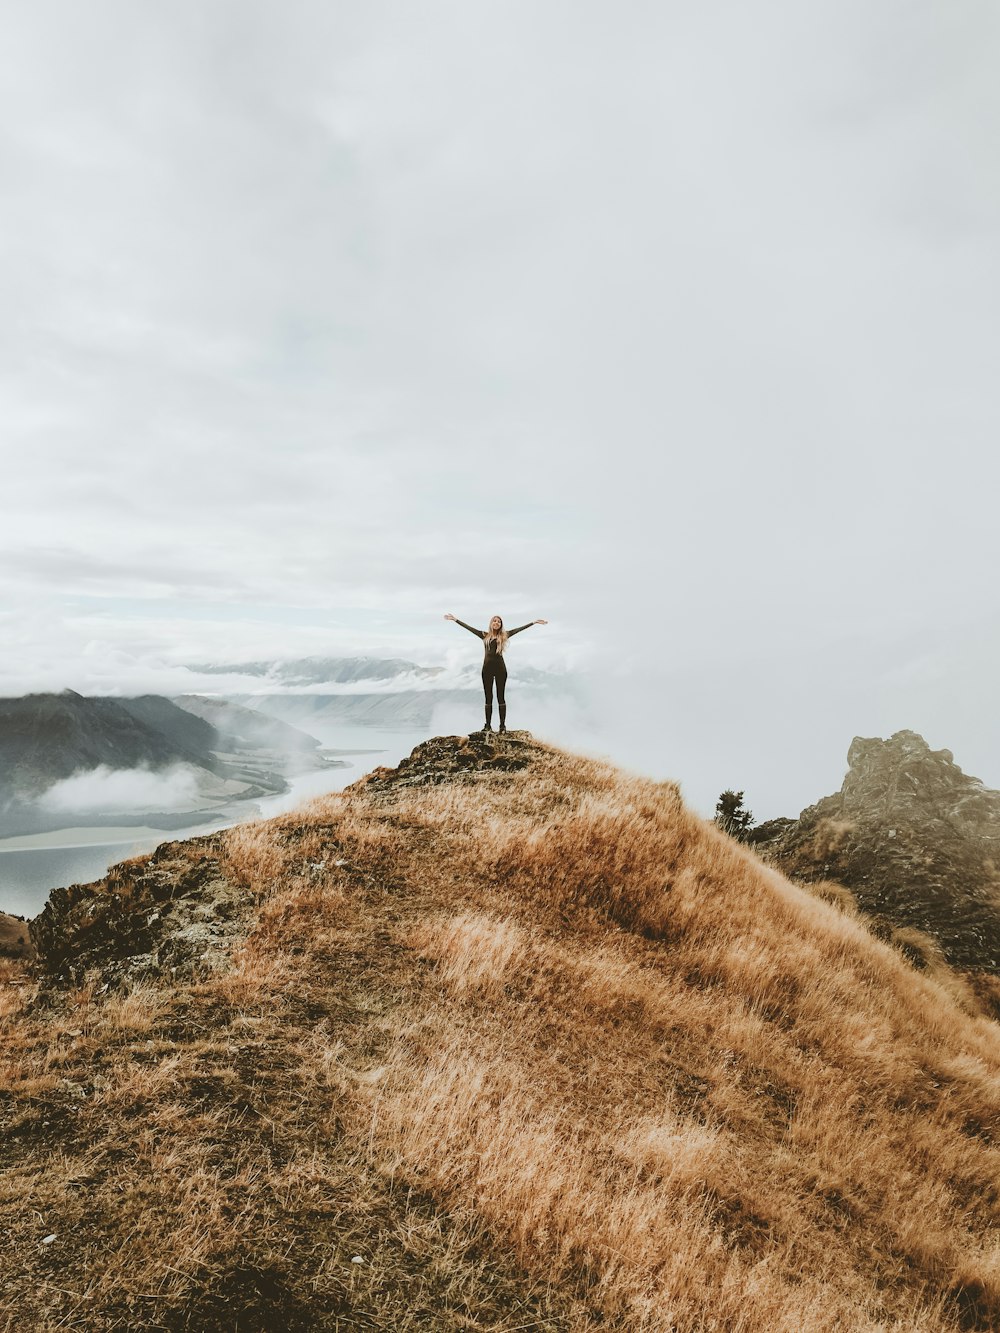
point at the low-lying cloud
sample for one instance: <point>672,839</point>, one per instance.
<point>123,789</point>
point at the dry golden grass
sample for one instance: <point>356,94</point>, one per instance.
<point>546,1051</point>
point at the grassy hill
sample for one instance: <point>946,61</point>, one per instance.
<point>502,1039</point>
<point>14,941</point>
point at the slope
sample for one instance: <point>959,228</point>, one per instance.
<point>500,1039</point>
<point>14,938</point>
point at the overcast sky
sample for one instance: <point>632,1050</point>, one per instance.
<point>673,323</point>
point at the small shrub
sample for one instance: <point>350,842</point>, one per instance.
<point>731,816</point>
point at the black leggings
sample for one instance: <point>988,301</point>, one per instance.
<point>495,669</point>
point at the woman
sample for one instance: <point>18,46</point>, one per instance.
<point>494,668</point>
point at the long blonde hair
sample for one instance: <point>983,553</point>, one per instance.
<point>499,638</point>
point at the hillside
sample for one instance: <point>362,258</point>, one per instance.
<point>501,1039</point>
<point>15,941</point>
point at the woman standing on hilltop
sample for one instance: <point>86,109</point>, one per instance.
<point>494,667</point>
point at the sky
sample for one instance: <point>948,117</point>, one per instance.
<point>674,324</point>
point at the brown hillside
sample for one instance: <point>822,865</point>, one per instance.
<point>535,1044</point>
<point>14,939</point>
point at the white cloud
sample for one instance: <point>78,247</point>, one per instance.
<point>123,790</point>
<point>671,325</point>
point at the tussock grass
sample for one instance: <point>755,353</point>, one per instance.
<point>544,1050</point>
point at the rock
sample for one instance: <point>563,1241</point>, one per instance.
<point>455,759</point>
<point>915,839</point>
<point>172,912</point>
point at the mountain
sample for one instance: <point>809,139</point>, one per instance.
<point>384,674</point>
<point>324,694</point>
<point>402,709</point>
<point>501,1038</point>
<point>46,737</point>
<point>249,728</point>
<point>916,840</point>
<point>322,670</point>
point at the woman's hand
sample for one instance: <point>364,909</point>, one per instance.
<point>449,616</point>
<point>539,622</point>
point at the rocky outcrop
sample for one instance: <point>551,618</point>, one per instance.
<point>456,759</point>
<point>915,839</point>
<point>171,913</point>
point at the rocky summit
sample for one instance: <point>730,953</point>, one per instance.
<point>913,837</point>
<point>456,759</point>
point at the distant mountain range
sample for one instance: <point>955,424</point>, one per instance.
<point>401,709</point>
<point>247,728</point>
<point>384,673</point>
<point>322,670</point>
<point>322,694</point>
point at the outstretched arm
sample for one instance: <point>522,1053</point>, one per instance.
<point>480,634</point>
<point>527,626</point>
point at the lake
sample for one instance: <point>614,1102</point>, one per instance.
<point>31,866</point>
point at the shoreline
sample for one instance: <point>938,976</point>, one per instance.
<point>66,839</point>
